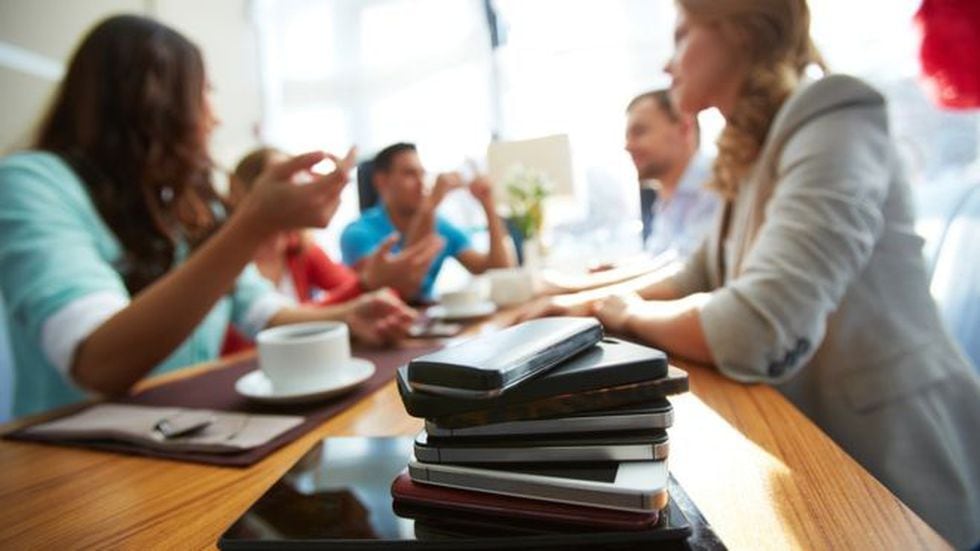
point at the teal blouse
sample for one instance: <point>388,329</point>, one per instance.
<point>56,249</point>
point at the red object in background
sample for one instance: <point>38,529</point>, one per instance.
<point>950,51</point>
<point>310,269</point>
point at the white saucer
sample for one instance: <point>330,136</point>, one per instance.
<point>477,310</point>
<point>254,385</point>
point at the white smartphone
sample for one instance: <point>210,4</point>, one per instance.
<point>631,486</point>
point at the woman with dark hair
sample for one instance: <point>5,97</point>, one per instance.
<point>115,259</point>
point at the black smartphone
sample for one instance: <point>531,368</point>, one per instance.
<point>597,400</point>
<point>486,366</point>
<point>610,362</point>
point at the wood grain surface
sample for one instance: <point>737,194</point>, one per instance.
<point>763,475</point>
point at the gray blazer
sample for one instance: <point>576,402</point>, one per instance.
<point>818,287</point>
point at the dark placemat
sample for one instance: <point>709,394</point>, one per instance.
<point>216,390</point>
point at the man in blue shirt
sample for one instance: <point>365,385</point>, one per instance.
<point>406,218</point>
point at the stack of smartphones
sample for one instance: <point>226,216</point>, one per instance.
<point>547,420</point>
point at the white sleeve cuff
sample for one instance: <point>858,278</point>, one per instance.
<point>261,311</point>
<point>68,327</point>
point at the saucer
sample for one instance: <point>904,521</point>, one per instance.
<point>477,310</point>
<point>254,385</point>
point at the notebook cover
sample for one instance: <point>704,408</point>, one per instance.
<point>215,389</point>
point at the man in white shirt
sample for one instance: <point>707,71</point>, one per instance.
<point>664,147</point>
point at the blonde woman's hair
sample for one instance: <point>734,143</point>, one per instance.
<point>775,38</point>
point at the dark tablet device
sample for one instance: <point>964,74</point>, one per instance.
<point>610,362</point>
<point>655,414</point>
<point>338,496</point>
<point>597,400</point>
<point>486,366</point>
<point>639,445</point>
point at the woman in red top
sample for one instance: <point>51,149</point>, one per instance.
<point>291,260</point>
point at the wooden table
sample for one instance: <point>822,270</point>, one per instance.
<point>762,474</point>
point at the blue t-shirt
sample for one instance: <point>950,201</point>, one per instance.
<point>362,236</point>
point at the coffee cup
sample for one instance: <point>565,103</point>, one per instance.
<point>303,356</point>
<point>510,286</point>
<point>460,301</point>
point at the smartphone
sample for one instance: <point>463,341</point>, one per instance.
<point>610,362</point>
<point>486,366</point>
<point>640,445</point>
<point>433,502</point>
<point>596,400</point>
<point>639,486</point>
<point>656,414</point>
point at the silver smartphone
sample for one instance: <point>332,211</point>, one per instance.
<point>643,445</point>
<point>658,414</point>
<point>633,486</point>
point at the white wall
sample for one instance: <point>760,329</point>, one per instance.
<point>50,29</point>
<point>38,36</point>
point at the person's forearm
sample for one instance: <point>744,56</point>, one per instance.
<point>653,286</point>
<point>500,254</point>
<point>659,284</point>
<point>302,313</point>
<point>130,343</point>
<point>673,326</point>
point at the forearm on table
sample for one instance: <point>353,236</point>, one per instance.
<point>674,326</point>
<point>652,286</point>
<point>301,314</point>
<point>134,340</point>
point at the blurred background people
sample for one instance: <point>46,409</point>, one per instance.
<point>407,217</point>
<point>115,261</point>
<point>664,147</point>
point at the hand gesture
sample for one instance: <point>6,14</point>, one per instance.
<point>482,190</point>
<point>279,202</point>
<point>445,182</point>
<point>403,271</point>
<point>379,317</point>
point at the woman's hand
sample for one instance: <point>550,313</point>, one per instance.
<point>289,195</point>
<point>379,318</point>
<point>615,312</point>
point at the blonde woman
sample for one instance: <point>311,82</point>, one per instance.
<point>813,279</point>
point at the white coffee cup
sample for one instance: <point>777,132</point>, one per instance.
<point>510,286</point>
<point>460,301</point>
<point>304,356</point>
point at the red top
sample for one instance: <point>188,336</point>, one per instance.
<point>311,270</point>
